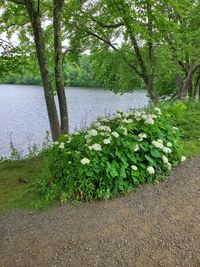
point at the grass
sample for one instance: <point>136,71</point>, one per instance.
<point>16,180</point>
<point>19,195</point>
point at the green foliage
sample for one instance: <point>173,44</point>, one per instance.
<point>185,116</point>
<point>112,157</point>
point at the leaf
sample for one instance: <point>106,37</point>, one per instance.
<point>150,159</point>
<point>155,153</point>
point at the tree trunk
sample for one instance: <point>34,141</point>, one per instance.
<point>197,89</point>
<point>42,60</point>
<point>187,82</point>
<point>58,58</point>
<point>151,89</point>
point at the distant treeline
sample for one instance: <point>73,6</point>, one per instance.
<point>77,74</point>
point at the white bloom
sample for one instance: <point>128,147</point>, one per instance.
<point>107,128</point>
<point>125,115</point>
<point>165,159</point>
<point>136,148</point>
<point>183,158</point>
<point>85,161</point>
<point>157,144</point>
<point>115,134</point>
<point>137,113</point>
<point>97,124</point>
<point>96,147</point>
<point>175,128</point>
<point>76,133</point>
<point>118,116</point>
<point>92,132</point>
<point>133,167</point>
<point>169,144</point>
<point>103,119</point>
<point>123,129</point>
<point>127,120</point>
<point>153,116</point>
<point>56,143</point>
<point>144,116</point>
<point>156,109</point>
<point>169,166</point>
<point>104,128</point>
<point>149,121</point>
<point>151,170</point>
<point>62,145</point>
<point>102,133</point>
<point>106,141</point>
<point>69,162</point>
<point>167,150</point>
<point>142,136</point>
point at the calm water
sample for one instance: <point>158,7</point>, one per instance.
<point>23,114</point>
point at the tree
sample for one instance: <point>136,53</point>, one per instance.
<point>32,10</point>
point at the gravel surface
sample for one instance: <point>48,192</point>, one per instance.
<point>155,226</point>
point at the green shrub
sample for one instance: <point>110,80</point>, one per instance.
<point>112,157</point>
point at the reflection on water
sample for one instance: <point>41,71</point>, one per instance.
<point>23,112</point>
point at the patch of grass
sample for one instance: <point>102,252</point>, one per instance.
<point>16,180</point>
<point>186,116</point>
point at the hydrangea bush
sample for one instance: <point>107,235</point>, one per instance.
<point>112,157</point>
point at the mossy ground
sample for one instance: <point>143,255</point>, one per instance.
<point>15,194</point>
<point>16,185</point>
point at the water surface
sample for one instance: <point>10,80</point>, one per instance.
<point>23,115</point>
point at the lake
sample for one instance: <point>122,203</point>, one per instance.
<point>23,115</point>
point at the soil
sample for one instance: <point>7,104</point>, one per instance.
<point>154,226</point>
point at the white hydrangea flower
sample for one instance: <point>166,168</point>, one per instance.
<point>183,158</point>
<point>133,167</point>
<point>160,141</point>
<point>85,161</point>
<point>92,132</point>
<point>62,145</point>
<point>157,144</point>
<point>118,116</point>
<point>144,116</point>
<point>153,116</point>
<point>165,159</point>
<point>149,121</point>
<point>142,136</point>
<point>175,128</point>
<point>169,166</point>
<point>115,134</point>
<point>151,170</point>
<point>56,143</point>
<point>125,115</point>
<point>103,119</point>
<point>96,147</point>
<point>127,121</point>
<point>97,124</point>
<point>69,162</point>
<point>106,141</point>
<point>102,133</point>
<point>169,144</point>
<point>136,148</point>
<point>137,113</point>
<point>167,150</point>
<point>156,109</point>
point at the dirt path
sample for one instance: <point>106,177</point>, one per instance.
<point>155,226</point>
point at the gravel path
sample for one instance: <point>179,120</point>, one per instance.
<point>155,226</point>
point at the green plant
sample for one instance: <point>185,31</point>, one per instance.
<point>112,157</point>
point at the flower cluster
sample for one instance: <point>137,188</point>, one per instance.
<point>114,155</point>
